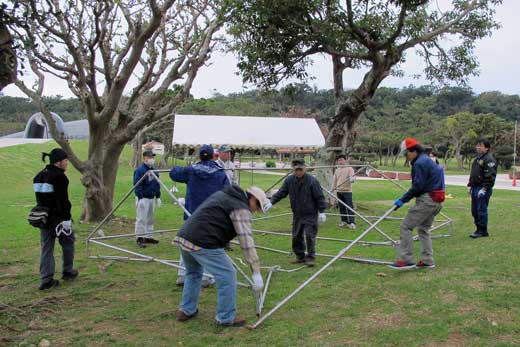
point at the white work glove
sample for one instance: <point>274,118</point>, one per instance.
<point>322,217</point>
<point>181,201</point>
<point>64,228</point>
<point>159,202</point>
<point>469,190</point>
<point>258,282</point>
<point>481,192</point>
<point>352,179</point>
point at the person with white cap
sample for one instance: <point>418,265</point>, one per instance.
<point>224,161</point>
<point>148,194</point>
<point>222,217</point>
<point>428,191</point>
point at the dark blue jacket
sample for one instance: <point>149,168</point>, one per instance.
<point>202,179</point>
<point>149,187</point>
<point>427,177</point>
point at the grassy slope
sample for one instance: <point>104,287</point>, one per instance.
<point>470,299</point>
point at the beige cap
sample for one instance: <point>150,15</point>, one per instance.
<point>259,194</point>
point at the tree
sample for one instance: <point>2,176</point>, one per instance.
<point>8,59</point>
<point>460,129</point>
<point>274,39</point>
<point>97,47</point>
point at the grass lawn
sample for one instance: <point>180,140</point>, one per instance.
<point>472,298</point>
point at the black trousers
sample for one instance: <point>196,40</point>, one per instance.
<point>304,237</point>
<point>47,264</point>
<point>347,216</point>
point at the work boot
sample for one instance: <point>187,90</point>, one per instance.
<point>309,262</point>
<point>480,232</point>
<point>151,241</point>
<point>183,317</point>
<point>239,321</point>
<point>141,242</point>
<point>48,285</point>
<point>69,276</point>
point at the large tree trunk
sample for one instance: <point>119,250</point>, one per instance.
<point>341,127</point>
<point>137,143</point>
<point>8,63</point>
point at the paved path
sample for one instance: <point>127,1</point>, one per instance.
<point>7,142</point>
<point>502,181</point>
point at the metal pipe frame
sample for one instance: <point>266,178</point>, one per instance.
<point>403,188</point>
<point>367,243</point>
<point>356,259</point>
<point>359,215</point>
<point>132,235</point>
<point>321,270</point>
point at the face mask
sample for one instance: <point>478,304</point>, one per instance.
<point>150,162</point>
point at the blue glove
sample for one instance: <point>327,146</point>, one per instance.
<point>481,192</point>
<point>398,203</point>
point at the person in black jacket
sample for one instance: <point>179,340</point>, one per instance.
<point>308,206</point>
<point>480,186</point>
<point>51,189</point>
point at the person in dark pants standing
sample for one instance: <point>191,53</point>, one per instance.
<point>51,189</point>
<point>480,186</point>
<point>342,181</point>
<point>308,207</point>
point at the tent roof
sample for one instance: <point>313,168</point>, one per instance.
<point>246,132</point>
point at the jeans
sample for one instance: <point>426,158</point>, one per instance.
<point>47,264</point>
<point>347,216</point>
<point>217,263</point>
<point>304,236</point>
<point>479,206</point>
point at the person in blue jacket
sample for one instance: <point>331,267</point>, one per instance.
<point>148,193</point>
<point>428,191</point>
<point>202,179</point>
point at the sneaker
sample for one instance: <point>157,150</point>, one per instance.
<point>48,285</point>
<point>150,240</point>
<point>183,317</point>
<point>141,242</point>
<point>422,265</point>
<point>401,265</point>
<point>239,321</point>
<point>297,261</point>
<point>207,282</point>
<point>309,262</point>
<point>342,224</point>
<point>69,276</point>
<point>352,225</point>
<point>180,281</point>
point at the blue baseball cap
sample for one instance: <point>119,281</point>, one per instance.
<point>206,152</point>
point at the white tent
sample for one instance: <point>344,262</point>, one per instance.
<point>246,132</point>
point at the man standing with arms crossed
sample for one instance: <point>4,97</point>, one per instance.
<point>480,186</point>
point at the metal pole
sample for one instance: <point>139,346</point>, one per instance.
<point>317,273</point>
<point>130,235</point>
<point>514,156</point>
<point>264,294</point>
<point>359,215</point>
<point>369,243</point>
<point>278,181</point>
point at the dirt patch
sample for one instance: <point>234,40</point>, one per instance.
<point>465,309</point>
<point>449,297</point>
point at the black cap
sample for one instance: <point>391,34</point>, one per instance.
<point>148,153</point>
<point>298,163</point>
<point>56,155</point>
<point>206,152</point>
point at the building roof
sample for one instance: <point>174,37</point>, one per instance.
<point>246,132</point>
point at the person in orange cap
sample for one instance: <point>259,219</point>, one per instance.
<point>428,191</point>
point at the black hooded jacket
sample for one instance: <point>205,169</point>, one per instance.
<point>51,189</point>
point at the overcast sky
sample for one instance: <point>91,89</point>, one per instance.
<point>498,56</point>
